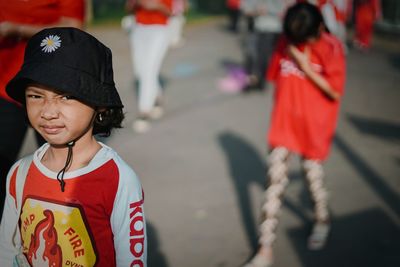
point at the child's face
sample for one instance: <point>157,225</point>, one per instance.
<point>58,117</point>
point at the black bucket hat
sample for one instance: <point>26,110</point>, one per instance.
<point>70,61</point>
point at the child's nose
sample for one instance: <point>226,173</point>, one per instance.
<point>49,109</point>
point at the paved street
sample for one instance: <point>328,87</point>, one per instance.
<point>203,170</point>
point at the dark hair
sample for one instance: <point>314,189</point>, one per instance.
<point>106,120</point>
<point>302,22</point>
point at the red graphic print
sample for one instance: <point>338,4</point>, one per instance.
<point>43,249</point>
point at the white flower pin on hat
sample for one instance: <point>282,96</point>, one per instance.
<point>50,43</point>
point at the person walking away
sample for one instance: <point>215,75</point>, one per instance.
<point>149,45</point>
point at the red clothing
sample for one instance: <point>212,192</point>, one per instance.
<point>34,12</point>
<point>304,118</point>
<point>95,217</point>
<point>97,221</point>
<point>233,4</point>
<point>366,12</point>
<point>148,17</point>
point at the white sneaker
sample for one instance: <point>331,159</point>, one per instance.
<point>156,113</point>
<point>263,258</point>
<point>259,261</point>
<point>141,125</point>
<point>319,236</point>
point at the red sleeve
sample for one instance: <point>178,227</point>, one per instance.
<point>73,9</point>
<point>273,65</point>
<point>334,65</point>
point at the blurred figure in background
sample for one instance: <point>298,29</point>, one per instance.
<point>248,9</point>
<point>336,14</point>
<point>308,69</point>
<point>343,10</point>
<point>177,22</point>
<point>366,13</point>
<point>268,16</point>
<point>233,7</point>
<point>19,20</point>
<point>149,45</point>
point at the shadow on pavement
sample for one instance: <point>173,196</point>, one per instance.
<point>369,239</point>
<point>246,167</point>
<point>379,128</point>
<point>373,179</point>
<point>155,257</point>
<point>394,60</point>
<point>229,64</point>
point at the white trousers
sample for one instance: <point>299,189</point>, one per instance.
<point>149,44</point>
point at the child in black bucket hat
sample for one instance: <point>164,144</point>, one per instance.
<point>74,202</point>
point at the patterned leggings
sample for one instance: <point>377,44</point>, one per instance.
<point>277,174</point>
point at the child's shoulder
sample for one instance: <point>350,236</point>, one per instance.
<point>124,169</point>
<point>330,44</point>
<point>25,160</point>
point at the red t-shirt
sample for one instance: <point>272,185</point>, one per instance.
<point>303,117</point>
<point>148,17</point>
<point>35,12</point>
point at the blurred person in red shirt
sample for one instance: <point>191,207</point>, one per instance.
<point>19,20</point>
<point>366,13</point>
<point>308,70</point>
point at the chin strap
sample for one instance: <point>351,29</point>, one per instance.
<point>60,174</point>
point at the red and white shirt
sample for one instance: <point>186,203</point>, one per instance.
<point>98,220</point>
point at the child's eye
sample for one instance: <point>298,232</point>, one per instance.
<point>67,97</point>
<point>33,96</point>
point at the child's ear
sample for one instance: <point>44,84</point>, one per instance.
<point>100,114</point>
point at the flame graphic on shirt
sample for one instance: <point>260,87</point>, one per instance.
<point>43,249</point>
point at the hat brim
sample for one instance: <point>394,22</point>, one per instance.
<point>64,79</point>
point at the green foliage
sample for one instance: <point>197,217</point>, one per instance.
<point>209,6</point>
<point>107,11</point>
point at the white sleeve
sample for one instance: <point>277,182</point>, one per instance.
<point>8,225</point>
<point>128,222</point>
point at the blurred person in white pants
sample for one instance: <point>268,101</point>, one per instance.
<point>149,44</point>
